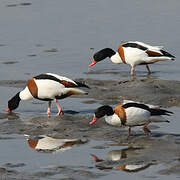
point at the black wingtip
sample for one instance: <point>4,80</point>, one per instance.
<point>81,84</point>
<point>165,53</point>
<point>169,112</point>
<point>158,112</point>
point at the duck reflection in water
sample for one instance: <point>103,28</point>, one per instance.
<point>49,144</point>
<point>115,156</point>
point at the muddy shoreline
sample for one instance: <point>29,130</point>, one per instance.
<point>158,92</point>
<point>153,91</point>
<point>163,93</point>
<point>138,150</point>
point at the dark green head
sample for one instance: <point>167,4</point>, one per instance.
<point>102,54</point>
<point>13,103</point>
<point>101,112</point>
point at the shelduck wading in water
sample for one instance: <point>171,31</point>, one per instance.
<point>131,114</point>
<point>133,53</point>
<point>47,87</point>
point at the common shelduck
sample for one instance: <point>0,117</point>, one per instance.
<point>133,53</point>
<point>47,87</point>
<point>131,114</point>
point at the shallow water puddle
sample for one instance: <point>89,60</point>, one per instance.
<point>43,153</point>
<point>48,157</point>
<point>173,126</point>
<point>36,152</point>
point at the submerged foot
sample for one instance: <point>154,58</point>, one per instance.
<point>48,113</point>
<point>60,113</point>
<point>147,131</point>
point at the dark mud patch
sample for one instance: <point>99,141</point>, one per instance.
<point>2,45</point>
<point>15,83</point>
<point>10,62</point>
<point>19,4</point>
<point>10,165</point>
<point>32,55</point>
<point>25,4</point>
<point>51,50</point>
<point>11,5</point>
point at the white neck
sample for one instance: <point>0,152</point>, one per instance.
<point>116,58</point>
<point>25,94</point>
<point>113,120</point>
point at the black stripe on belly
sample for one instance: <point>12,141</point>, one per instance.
<point>134,45</point>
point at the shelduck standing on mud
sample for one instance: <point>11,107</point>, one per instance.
<point>47,87</point>
<point>131,114</point>
<point>133,53</point>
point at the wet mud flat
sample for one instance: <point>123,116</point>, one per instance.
<point>148,90</point>
<point>107,151</point>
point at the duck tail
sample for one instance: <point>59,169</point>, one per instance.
<point>76,91</point>
<point>158,112</point>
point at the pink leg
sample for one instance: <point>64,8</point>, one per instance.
<point>132,71</point>
<point>59,108</point>
<point>49,108</point>
<point>145,129</point>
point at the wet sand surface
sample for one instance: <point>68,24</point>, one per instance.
<point>97,151</point>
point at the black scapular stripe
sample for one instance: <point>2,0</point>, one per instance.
<point>47,76</point>
<point>134,45</point>
<point>138,105</point>
<point>51,77</point>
